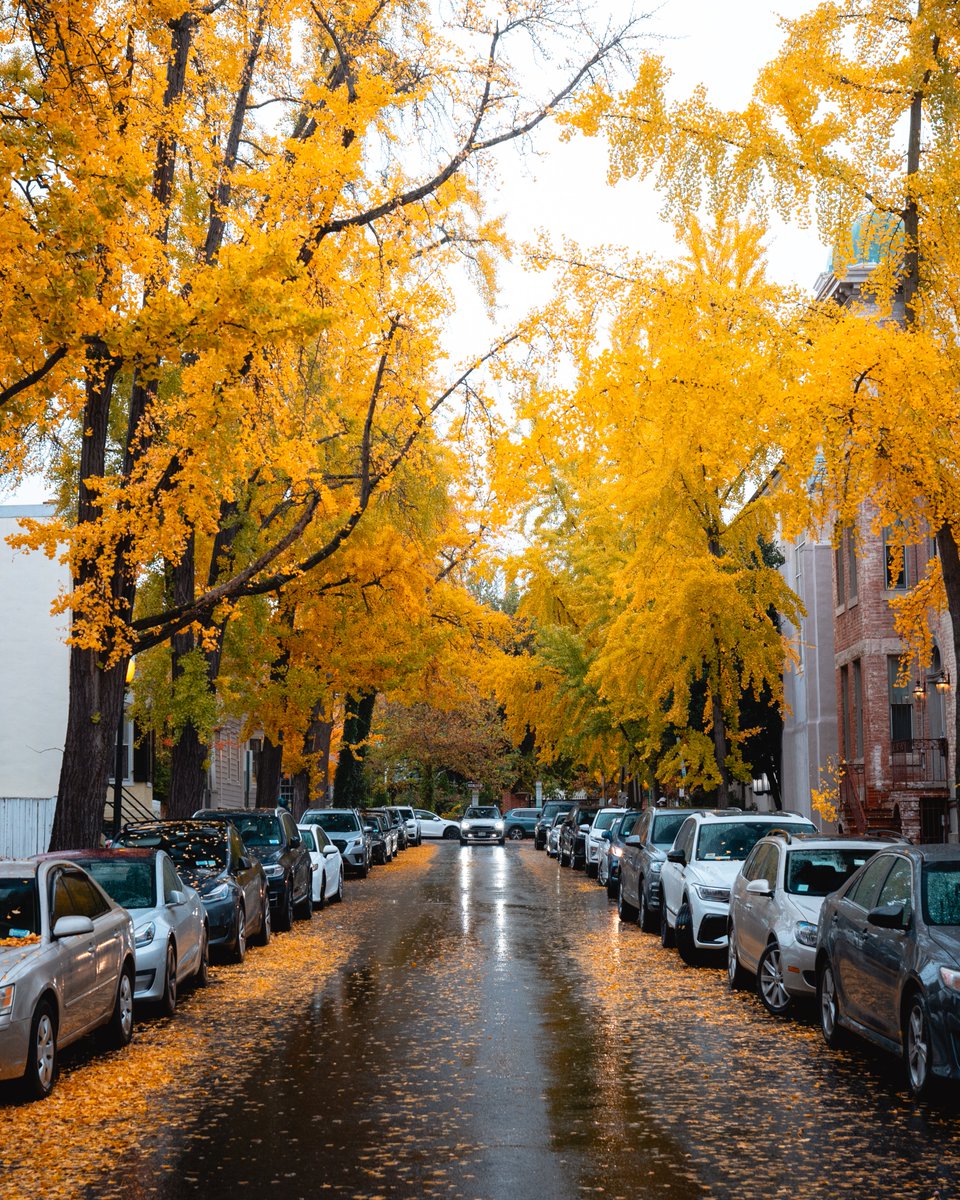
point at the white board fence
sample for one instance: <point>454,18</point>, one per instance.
<point>25,825</point>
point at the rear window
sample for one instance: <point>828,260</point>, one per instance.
<point>820,872</point>
<point>19,910</point>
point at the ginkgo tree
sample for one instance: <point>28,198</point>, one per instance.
<point>188,184</point>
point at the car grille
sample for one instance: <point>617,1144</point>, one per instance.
<point>340,844</point>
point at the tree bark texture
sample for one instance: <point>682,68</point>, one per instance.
<point>269,769</point>
<point>950,566</point>
<point>349,785</point>
<point>188,775</point>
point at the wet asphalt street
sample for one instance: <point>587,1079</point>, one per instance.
<point>476,1023</point>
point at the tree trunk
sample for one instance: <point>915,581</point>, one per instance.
<point>349,785</point>
<point>426,786</point>
<point>719,732</point>
<point>301,794</point>
<point>950,566</point>
<point>269,769</point>
<point>188,775</point>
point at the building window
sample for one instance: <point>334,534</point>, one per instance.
<point>845,711</point>
<point>901,707</point>
<point>838,570</point>
<point>850,538</point>
<point>857,710</point>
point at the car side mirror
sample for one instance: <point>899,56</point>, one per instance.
<point>633,840</point>
<point>177,897</point>
<point>677,856</point>
<point>584,828</point>
<point>328,850</point>
<point>296,841</point>
<point>72,927</point>
<point>889,916</point>
<point>607,835</point>
<point>759,887</point>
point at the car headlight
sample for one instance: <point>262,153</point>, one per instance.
<point>950,978</point>
<point>145,934</point>
<point>806,933</point>
<point>466,824</point>
<point>616,851</point>
<point>717,894</point>
<point>656,867</point>
<point>498,826</point>
<point>274,871</point>
<point>220,892</point>
<point>6,999</point>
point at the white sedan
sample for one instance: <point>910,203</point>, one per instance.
<point>432,826</point>
<point>326,863</point>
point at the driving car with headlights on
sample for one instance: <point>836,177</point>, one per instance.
<point>481,823</point>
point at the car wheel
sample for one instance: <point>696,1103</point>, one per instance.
<point>736,975</point>
<point>829,1004</point>
<point>285,909</point>
<point>648,922</point>
<point>771,987</point>
<point>451,833</point>
<point>625,911</point>
<point>201,976</point>
<point>265,932</point>
<point>363,872</point>
<point>120,1026</point>
<point>516,835</point>
<point>613,887</point>
<point>168,1001</point>
<point>43,1065</point>
<point>602,875</point>
<point>686,947</point>
<point>666,933</point>
<point>592,869</point>
<point>304,909</point>
<point>323,892</point>
<point>917,1048</point>
<point>337,896</point>
<point>240,945</point>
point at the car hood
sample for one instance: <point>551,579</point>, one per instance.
<point>947,939</point>
<point>266,854</point>
<point>808,907</point>
<point>14,960</point>
<point>201,878</point>
<point>715,874</point>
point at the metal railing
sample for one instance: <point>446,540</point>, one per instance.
<point>851,792</point>
<point>920,761</point>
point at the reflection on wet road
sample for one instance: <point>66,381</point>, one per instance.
<point>491,1031</point>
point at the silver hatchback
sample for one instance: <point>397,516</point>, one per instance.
<point>67,967</point>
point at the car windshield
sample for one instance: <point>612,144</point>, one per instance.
<point>19,911</point>
<point>201,846</point>
<point>732,841</point>
<point>334,822</point>
<point>308,839</point>
<point>941,893</point>
<point>820,872</point>
<point>482,814</point>
<point>666,828</point>
<point>130,882</point>
<point>605,820</point>
<point>406,813</point>
<point>259,829</point>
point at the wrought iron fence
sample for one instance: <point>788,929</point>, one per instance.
<point>918,761</point>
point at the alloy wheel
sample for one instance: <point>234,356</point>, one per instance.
<point>770,981</point>
<point>917,1047</point>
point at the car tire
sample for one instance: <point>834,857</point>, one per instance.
<point>284,921</point>
<point>119,1030</point>
<point>828,1003</point>
<point>771,987</point>
<point>602,872</point>
<point>304,910</point>
<point>625,911</point>
<point>515,834</point>
<point>917,1047</point>
<point>363,872</point>
<point>737,977</point>
<point>451,833</point>
<point>337,897</point>
<point>323,891</point>
<point>686,946</point>
<point>503,841</point>
<point>168,1001</point>
<point>666,933</point>
<point>592,869</point>
<point>265,932</point>
<point>647,921</point>
<point>43,1063</point>
<point>613,887</point>
<point>239,951</point>
<point>201,977</point>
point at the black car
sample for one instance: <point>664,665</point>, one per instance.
<point>547,814</point>
<point>608,864</point>
<point>211,857</point>
<point>271,835</point>
<point>399,824</point>
<point>572,850</point>
<point>888,959</point>
<point>644,853</point>
<point>377,824</point>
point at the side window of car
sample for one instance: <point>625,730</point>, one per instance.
<point>61,904</point>
<point>865,891</point>
<point>752,867</point>
<point>685,837</point>
<point>644,828</point>
<point>171,881</point>
<point>235,849</point>
<point>897,888</point>
<point>771,866</point>
<point>85,896</point>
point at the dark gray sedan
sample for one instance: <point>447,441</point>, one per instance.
<point>888,959</point>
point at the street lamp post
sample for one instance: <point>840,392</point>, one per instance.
<point>118,766</point>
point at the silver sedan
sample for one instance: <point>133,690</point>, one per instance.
<point>67,967</point>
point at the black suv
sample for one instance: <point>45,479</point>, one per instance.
<point>547,813</point>
<point>572,845</point>
<point>271,835</point>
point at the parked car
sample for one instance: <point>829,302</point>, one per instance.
<point>383,836</point>
<point>481,823</point>
<point>644,853</point>
<point>611,850</point>
<point>169,923</point>
<point>544,825</point>
<point>571,843</point>
<point>210,856</point>
<point>701,866</point>
<point>327,865</point>
<point>399,825</point>
<point>271,835</point>
<point>888,959</point>
<point>67,967</point>
<point>519,823</point>
<point>433,826</point>
<point>411,822</point>
<point>553,834</point>
<point>345,829</point>
<point>594,837</point>
<point>775,904</point>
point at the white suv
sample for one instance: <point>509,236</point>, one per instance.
<point>696,879</point>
